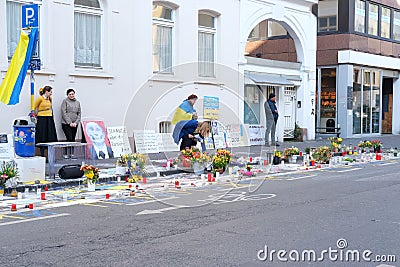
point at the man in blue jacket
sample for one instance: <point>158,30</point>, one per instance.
<point>271,115</point>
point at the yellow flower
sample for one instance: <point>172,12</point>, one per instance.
<point>90,174</point>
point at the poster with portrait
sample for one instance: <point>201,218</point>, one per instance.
<point>96,137</point>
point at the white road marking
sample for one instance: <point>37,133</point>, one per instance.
<point>35,219</point>
<point>350,170</point>
<point>159,211</point>
<point>384,164</point>
<point>302,177</point>
<point>150,201</point>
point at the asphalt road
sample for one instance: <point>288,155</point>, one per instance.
<point>315,210</point>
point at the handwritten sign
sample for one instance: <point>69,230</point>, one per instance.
<point>119,141</point>
<point>6,147</point>
<point>167,142</point>
<point>211,107</point>
<point>256,134</point>
<point>146,141</point>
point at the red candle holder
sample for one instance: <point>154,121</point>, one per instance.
<point>301,153</point>
<point>31,206</point>
<point>13,207</point>
<point>144,180</point>
<point>251,159</point>
<point>130,186</point>
<point>265,162</point>
<point>176,183</point>
<point>46,188</point>
<point>107,196</point>
<point>43,196</point>
<point>209,177</point>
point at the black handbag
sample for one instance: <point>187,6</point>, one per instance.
<point>70,172</point>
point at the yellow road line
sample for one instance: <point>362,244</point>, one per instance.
<point>11,217</point>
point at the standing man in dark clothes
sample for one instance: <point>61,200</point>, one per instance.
<point>271,115</point>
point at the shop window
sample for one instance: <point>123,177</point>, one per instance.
<point>366,101</point>
<point>327,101</point>
<point>251,104</point>
<point>373,19</point>
<point>357,85</point>
<point>359,18</point>
<point>327,15</point>
<point>163,25</point>
<point>206,44</point>
<point>87,33</point>
<point>385,22</point>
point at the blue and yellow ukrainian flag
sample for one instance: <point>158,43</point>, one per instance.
<point>11,86</point>
<point>183,113</point>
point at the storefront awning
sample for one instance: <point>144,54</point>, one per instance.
<point>268,79</point>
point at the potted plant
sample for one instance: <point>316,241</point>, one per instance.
<point>377,145</point>
<point>322,154</point>
<point>291,153</point>
<point>8,171</point>
<point>277,157</point>
<point>335,143</point>
<point>199,161</point>
<point>92,176</point>
<point>186,155</point>
<point>121,165</point>
<point>221,160</point>
<point>364,145</point>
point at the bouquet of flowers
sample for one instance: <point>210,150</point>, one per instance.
<point>200,157</point>
<point>91,173</point>
<point>290,151</point>
<point>122,161</point>
<point>137,163</point>
<point>221,159</point>
<point>277,153</point>
<point>335,143</point>
<point>376,143</point>
<point>8,170</point>
<point>322,154</point>
<point>365,144</point>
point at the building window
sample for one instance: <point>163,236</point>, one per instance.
<point>366,101</point>
<point>373,19</point>
<point>251,104</point>
<point>206,45</point>
<point>165,127</point>
<point>163,25</point>
<point>276,29</point>
<point>13,11</point>
<point>327,24</point>
<point>359,21</point>
<point>327,15</point>
<point>396,25</point>
<point>385,23</point>
<point>87,33</point>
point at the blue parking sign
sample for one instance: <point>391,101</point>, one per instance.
<point>30,16</point>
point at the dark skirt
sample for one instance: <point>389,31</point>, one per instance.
<point>45,130</point>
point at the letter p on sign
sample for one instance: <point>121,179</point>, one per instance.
<point>30,16</point>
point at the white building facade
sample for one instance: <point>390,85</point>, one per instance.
<point>133,62</point>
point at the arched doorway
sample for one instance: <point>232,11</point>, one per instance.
<point>279,56</point>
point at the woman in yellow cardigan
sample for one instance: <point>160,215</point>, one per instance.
<point>45,127</point>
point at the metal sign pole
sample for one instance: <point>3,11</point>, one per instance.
<point>32,78</point>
